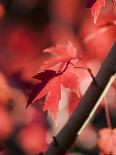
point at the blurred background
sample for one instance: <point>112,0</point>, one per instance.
<point>26,28</point>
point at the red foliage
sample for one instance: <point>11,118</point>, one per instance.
<point>63,53</point>
<point>21,42</point>
<point>51,85</point>
<point>107,141</point>
<point>51,81</point>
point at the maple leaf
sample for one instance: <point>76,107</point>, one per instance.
<point>62,54</point>
<point>51,81</point>
<point>53,91</point>
<point>50,85</point>
<point>44,77</point>
<point>95,9</point>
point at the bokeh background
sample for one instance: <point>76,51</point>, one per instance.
<point>26,28</point>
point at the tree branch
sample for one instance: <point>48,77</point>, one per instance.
<point>94,94</point>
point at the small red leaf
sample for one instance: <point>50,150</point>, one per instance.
<point>62,54</point>
<point>51,81</point>
<point>52,88</point>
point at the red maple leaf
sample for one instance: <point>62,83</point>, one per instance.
<point>44,77</point>
<point>95,9</point>
<point>62,54</point>
<point>51,80</point>
<point>52,88</point>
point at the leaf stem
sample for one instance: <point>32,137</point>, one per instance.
<point>89,70</point>
<point>66,66</point>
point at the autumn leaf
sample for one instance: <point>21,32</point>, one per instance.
<point>53,91</point>
<point>50,81</point>
<point>44,77</point>
<point>50,85</point>
<point>95,9</point>
<point>62,54</point>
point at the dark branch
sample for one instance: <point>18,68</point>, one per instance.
<point>67,136</point>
